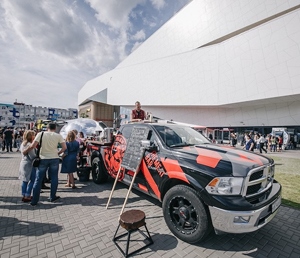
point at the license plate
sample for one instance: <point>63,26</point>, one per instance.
<point>276,204</point>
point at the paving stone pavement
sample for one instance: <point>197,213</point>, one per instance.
<point>80,226</point>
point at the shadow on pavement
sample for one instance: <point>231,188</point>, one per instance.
<point>15,203</point>
<point>255,244</point>
<point>162,242</point>
<point>88,187</point>
<point>9,178</point>
<point>15,227</point>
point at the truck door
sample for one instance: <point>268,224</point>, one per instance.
<point>152,168</point>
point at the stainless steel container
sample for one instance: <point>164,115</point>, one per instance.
<point>107,135</point>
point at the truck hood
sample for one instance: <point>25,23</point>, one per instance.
<point>221,160</point>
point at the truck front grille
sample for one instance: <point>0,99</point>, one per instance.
<point>258,182</point>
<point>253,189</point>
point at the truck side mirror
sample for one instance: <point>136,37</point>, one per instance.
<point>149,145</point>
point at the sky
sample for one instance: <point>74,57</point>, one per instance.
<point>50,48</point>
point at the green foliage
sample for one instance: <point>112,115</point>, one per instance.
<point>83,115</point>
<point>287,173</point>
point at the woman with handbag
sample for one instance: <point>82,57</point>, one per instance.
<point>27,172</point>
<point>69,163</point>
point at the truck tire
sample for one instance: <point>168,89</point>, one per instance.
<point>185,214</point>
<point>99,172</point>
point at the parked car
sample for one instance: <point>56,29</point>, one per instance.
<point>202,186</point>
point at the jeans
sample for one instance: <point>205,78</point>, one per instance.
<point>261,147</point>
<point>8,144</point>
<point>52,166</point>
<point>27,186</point>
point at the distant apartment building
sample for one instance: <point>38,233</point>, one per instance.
<point>21,115</point>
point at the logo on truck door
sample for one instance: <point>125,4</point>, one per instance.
<point>152,161</point>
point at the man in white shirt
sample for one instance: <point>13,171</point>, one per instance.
<point>49,155</point>
<point>262,141</point>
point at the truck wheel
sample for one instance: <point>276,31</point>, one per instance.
<point>185,214</point>
<point>99,172</point>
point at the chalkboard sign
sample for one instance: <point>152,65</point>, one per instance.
<point>134,151</point>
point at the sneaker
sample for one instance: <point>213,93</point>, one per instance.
<point>45,187</point>
<point>33,204</point>
<point>55,199</point>
<point>26,199</point>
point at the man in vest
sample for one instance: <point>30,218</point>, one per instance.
<point>137,114</point>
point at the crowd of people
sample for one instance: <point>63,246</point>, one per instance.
<point>52,150</point>
<point>10,137</point>
<point>256,141</point>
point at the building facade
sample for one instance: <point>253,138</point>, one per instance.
<point>230,63</point>
<point>23,115</point>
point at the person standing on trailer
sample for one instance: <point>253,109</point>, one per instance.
<point>137,114</point>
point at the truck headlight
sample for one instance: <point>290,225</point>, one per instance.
<point>225,185</point>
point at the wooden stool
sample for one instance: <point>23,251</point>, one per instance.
<point>132,220</point>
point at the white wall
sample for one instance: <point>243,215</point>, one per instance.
<point>274,114</point>
<point>258,70</point>
<point>201,22</point>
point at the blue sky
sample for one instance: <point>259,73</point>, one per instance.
<point>49,49</point>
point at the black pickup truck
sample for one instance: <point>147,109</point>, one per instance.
<point>202,186</point>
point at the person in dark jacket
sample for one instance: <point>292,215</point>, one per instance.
<point>8,136</point>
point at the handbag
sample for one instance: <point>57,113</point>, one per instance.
<point>36,161</point>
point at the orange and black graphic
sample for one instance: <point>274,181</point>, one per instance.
<point>113,157</point>
<point>174,169</point>
<point>150,179</point>
<point>208,158</point>
<point>152,161</point>
<point>167,167</point>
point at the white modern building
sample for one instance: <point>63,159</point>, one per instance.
<point>218,63</point>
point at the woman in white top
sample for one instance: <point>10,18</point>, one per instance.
<point>26,170</point>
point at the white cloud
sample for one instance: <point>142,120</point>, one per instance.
<point>48,26</point>
<point>140,35</point>
<point>114,13</point>
<point>158,4</point>
<point>49,49</point>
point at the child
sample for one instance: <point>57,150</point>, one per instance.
<point>18,142</point>
<point>27,171</point>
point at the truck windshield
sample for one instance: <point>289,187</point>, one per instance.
<point>177,136</point>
